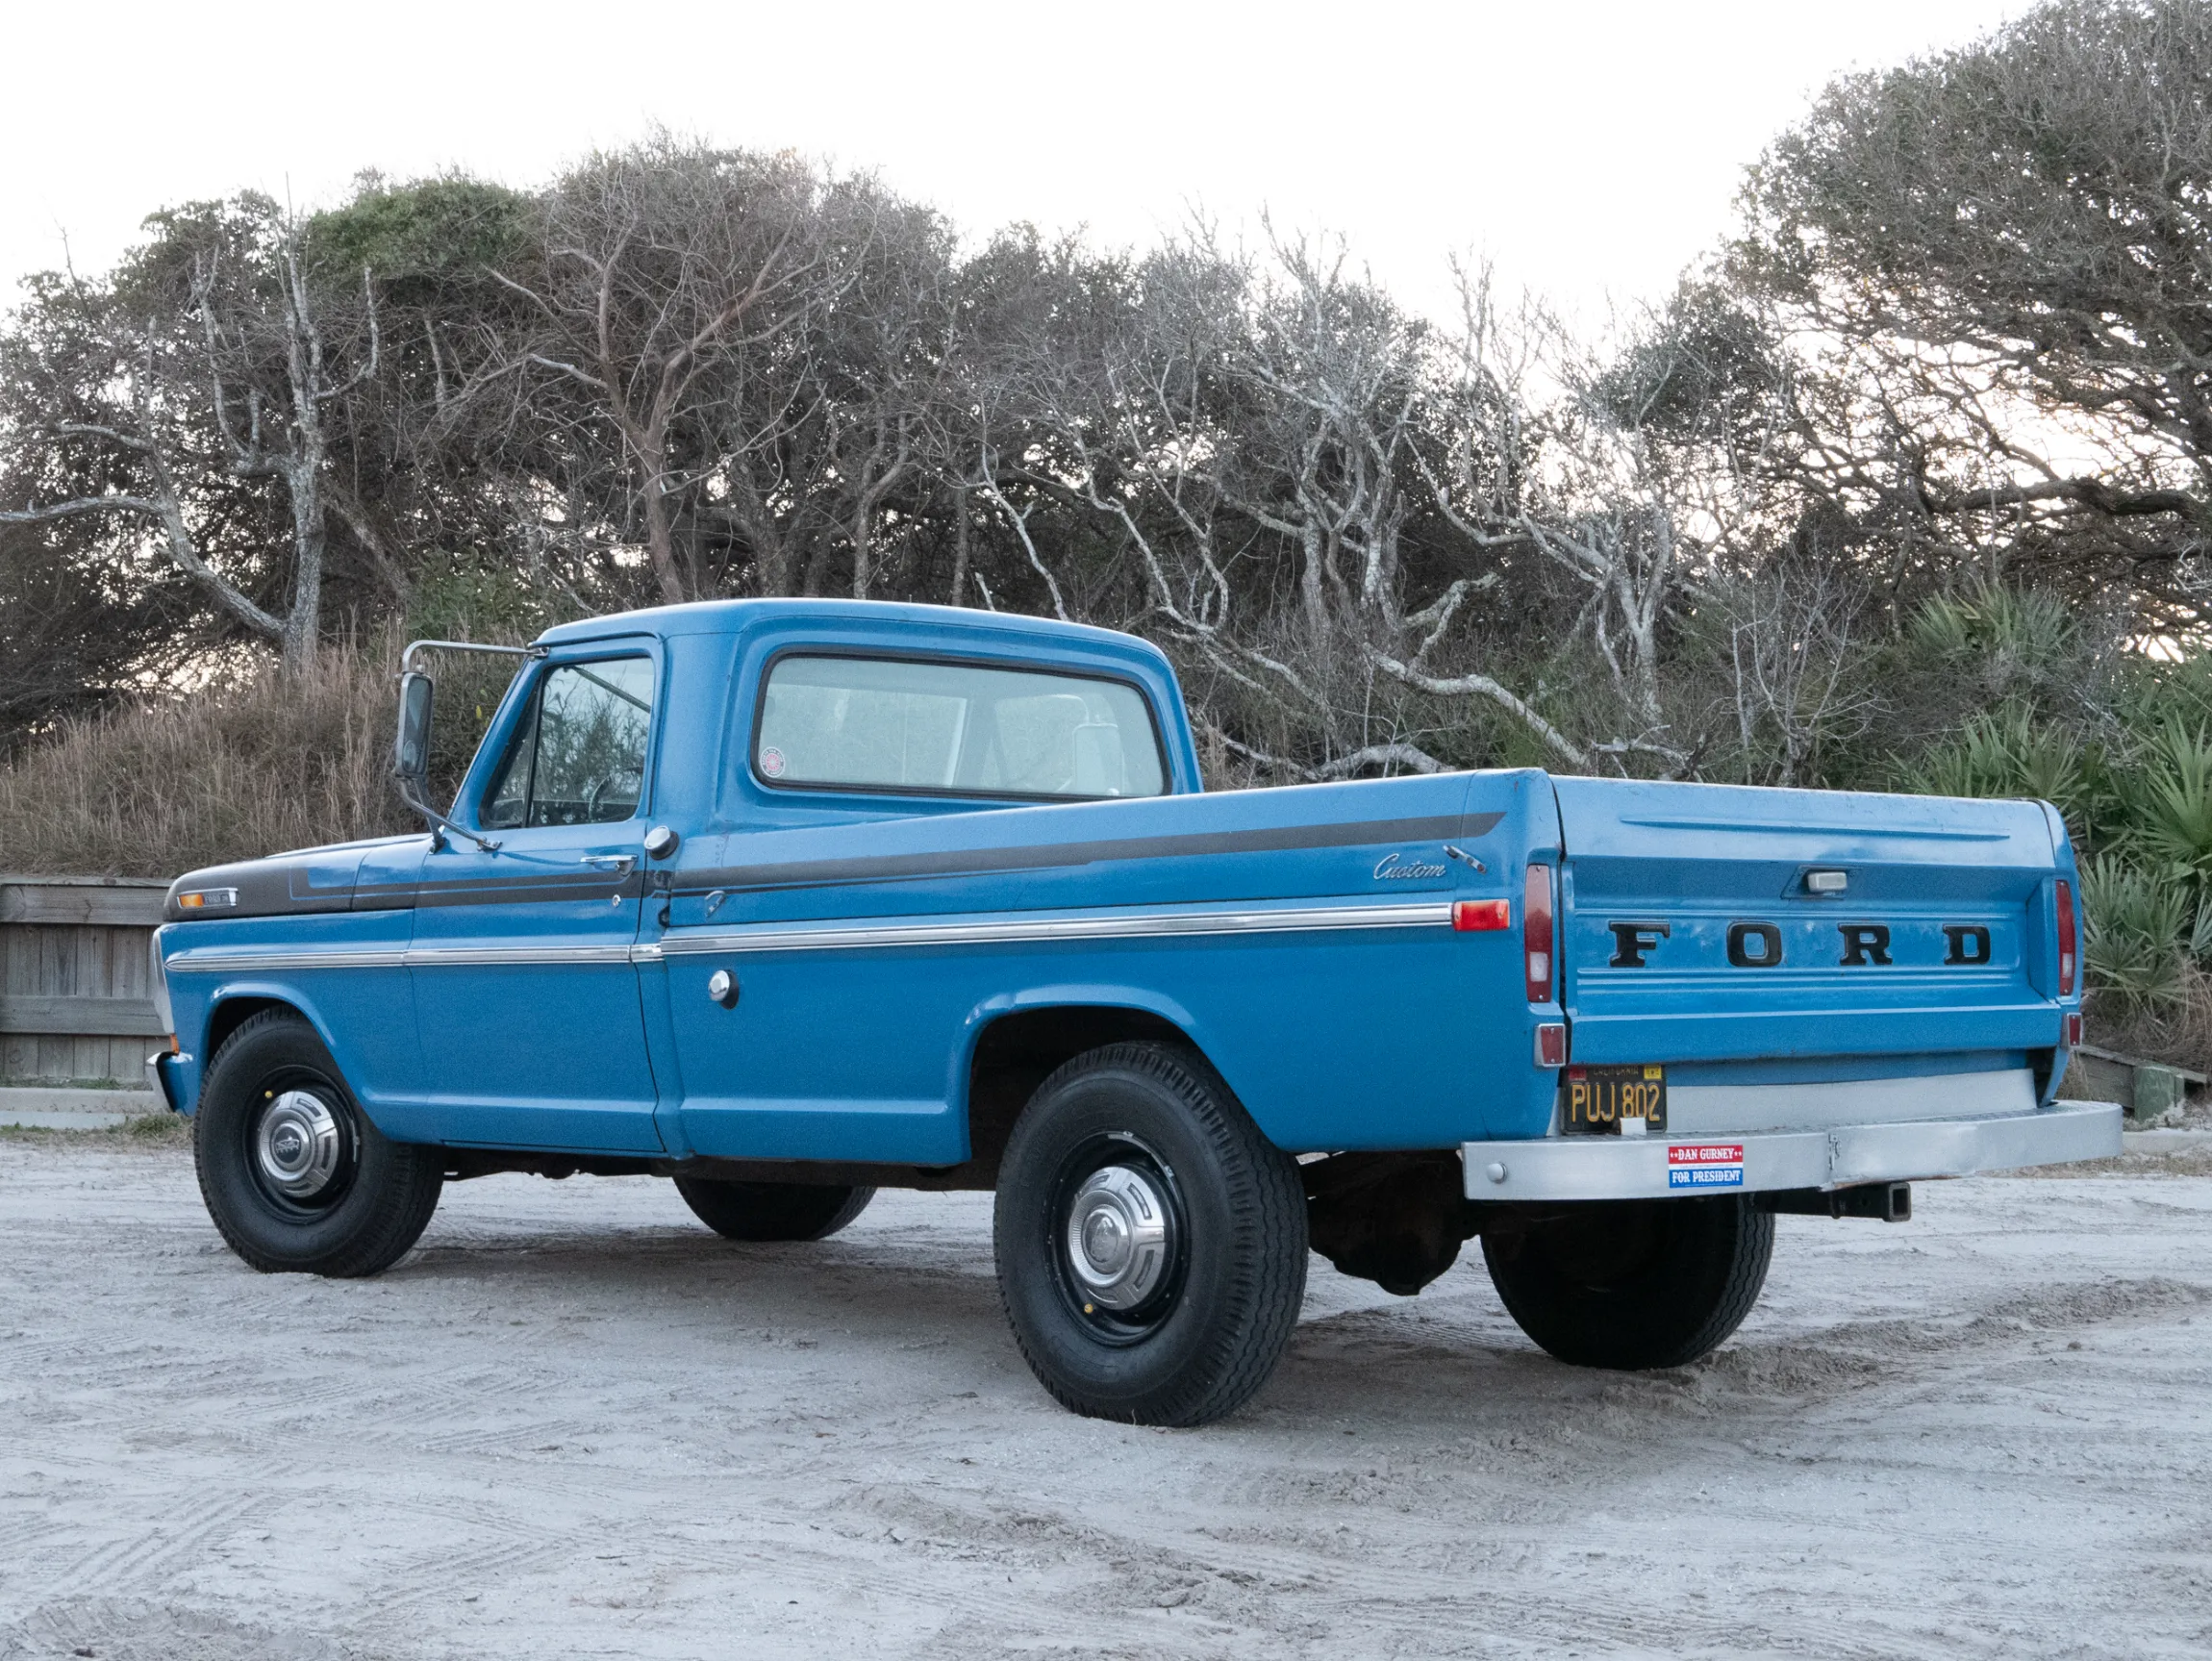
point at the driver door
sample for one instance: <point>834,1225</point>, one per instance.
<point>525,998</point>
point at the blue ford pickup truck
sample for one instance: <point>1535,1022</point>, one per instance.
<point>794,900</point>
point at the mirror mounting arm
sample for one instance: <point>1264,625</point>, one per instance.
<point>411,752</point>
<point>439,824</point>
<point>406,657</point>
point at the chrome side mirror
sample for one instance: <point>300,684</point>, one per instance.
<point>410,749</point>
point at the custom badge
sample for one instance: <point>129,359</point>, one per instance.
<point>1705,1164</point>
<point>1400,867</point>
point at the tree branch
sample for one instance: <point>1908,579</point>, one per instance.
<point>1482,686</point>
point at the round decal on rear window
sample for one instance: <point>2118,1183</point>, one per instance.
<point>773,762</point>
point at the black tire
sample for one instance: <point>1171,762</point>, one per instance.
<point>1197,1331</point>
<point>1637,1283</point>
<point>772,1210</point>
<point>365,1211</point>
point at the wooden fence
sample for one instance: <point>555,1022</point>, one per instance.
<point>74,1003</point>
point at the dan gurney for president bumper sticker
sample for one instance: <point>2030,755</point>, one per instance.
<point>1705,1164</point>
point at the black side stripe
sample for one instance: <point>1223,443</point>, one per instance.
<point>1058,856</point>
<point>529,889</point>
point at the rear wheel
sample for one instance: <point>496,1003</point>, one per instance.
<point>772,1210</point>
<point>1151,1242</point>
<point>292,1171</point>
<point>1637,1283</point>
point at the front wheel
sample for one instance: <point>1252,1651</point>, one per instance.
<point>1636,1283</point>
<point>293,1174</point>
<point>1151,1242</point>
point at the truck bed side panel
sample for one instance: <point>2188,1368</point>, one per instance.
<point>1302,938</point>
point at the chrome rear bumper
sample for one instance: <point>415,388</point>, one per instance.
<point>1681,1165</point>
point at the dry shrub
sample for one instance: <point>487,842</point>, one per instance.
<point>282,761</point>
<point>2176,1030</point>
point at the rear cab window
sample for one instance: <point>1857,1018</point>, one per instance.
<point>930,727</point>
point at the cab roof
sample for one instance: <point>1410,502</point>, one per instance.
<point>732,617</point>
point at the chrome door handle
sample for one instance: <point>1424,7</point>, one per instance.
<point>617,862</point>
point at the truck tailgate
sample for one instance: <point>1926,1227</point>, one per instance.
<point>1691,932</point>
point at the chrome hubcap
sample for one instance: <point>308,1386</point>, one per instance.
<point>298,1145</point>
<point>1121,1236</point>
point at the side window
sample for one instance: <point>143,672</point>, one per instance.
<point>579,755</point>
<point>954,729</point>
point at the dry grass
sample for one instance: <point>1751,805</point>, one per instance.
<point>2177,1032</point>
<point>233,772</point>
<point>147,1133</point>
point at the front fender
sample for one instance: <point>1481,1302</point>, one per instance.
<point>188,1069</point>
<point>374,1047</point>
<point>344,974</point>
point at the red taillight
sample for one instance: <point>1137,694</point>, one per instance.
<point>1551,1044</point>
<point>2067,955</point>
<point>1467,915</point>
<point>1536,933</point>
<point>2072,1029</point>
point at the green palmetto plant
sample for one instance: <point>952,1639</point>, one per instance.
<point>2135,924</point>
<point>2168,795</point>
<point>2007,753</point>
<point>2009,637</point>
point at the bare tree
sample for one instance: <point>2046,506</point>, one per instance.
<point>661,264</point>
<point>227,372</point>
<point>879,357</point>
<point>1990,266</point>
<point>1544,445</point>
<point>1790,638</point>
<point>1246,437</point>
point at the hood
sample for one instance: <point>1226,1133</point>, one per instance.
<point>295,884</point>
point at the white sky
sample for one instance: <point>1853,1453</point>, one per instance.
<point>1590,149</point>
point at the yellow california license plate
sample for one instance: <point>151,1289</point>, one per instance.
<point>1600,1100</point>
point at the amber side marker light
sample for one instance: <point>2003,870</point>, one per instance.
<point>1468,916</point>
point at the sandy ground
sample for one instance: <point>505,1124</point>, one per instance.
<point>574,1424</point>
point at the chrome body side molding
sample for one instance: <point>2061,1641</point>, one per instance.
<point>272,961</point>
<point>481,957</point>
<point>844,936</point>
<point>997,931</point>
